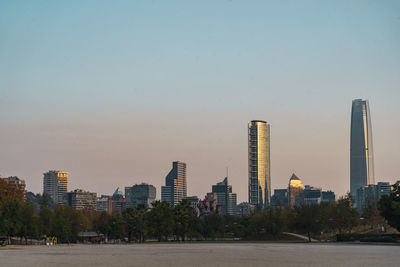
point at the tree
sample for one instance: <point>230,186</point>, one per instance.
<point>29,223</point>
<point>101,224</point>
<point>10,217</point>
<point>340,216</point>
<point>213,226</point>
<point>46,217</point>
<point>135,225</point>
<point>160,220</point>
<point>372,216</point>
<point>183,213</point>
<point>307,220</point>
<point>389,206</point>
<point>116,226</point>
<point>67,224</point>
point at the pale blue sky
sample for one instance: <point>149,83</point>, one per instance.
<point>125,87</point>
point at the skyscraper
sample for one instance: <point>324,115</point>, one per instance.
<point>55,185</point>
<point>225,197</point>
<point>361,149</point>
<point>175,184</point>
<point>259,164</point>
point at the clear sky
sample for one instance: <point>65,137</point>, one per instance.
<point>114,91</point>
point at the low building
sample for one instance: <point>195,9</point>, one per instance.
<point>246,209</point>
<point>312,195</point>
<point>79,200</point>
<point>295,192</point>
<point>118,202</point>
<point>19,184</point>
<point>104,203</point>
<point>365,197</point>
<point>194,202</point>
<point>382,189</point>
<point>209,205</point>
<point>328,196</point>
<point>370,195</point>
<point>280,198</point>
<point>140,194</point>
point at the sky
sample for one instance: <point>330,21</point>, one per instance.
<point>114,91</point>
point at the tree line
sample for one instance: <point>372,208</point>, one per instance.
<point>180,223</point>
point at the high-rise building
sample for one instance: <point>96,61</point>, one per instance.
<point>175,190</point>
<point>361,148</point>
<point>225,197</point>
<point>295,191</point>
<point>55,185</point>
<point>17,183</point>
<point>140,194</point>
<point>79,200</point>
<point>259,163</point>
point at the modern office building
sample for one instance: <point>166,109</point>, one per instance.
<point>140,194</point>
<point>55,185</point>
<point>328,196</point>
<point>17,183</point>
<point>312,195</point>
<point>175,189</point>
<point>259,163</point>
<point>225,197</point>
<point>79,200</point>
<point>361,148</point>
<point>280,198</point>
<point>295,191</point>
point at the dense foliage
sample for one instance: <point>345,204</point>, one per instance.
<point>389,206</point>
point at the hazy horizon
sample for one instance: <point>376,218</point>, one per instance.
<point>114,92</point>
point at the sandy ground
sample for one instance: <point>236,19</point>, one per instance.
<point>203,254</point>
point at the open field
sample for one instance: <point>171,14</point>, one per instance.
<point>203,254</point>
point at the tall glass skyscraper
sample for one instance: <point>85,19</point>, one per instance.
<point>361,150</point>
<point>259,164</point>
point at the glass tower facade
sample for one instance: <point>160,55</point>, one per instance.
<point>259,164</point>
<point>361,149</point>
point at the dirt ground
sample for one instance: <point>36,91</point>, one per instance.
<point>203,254</point>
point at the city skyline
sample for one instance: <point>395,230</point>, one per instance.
<point>112,93</point>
